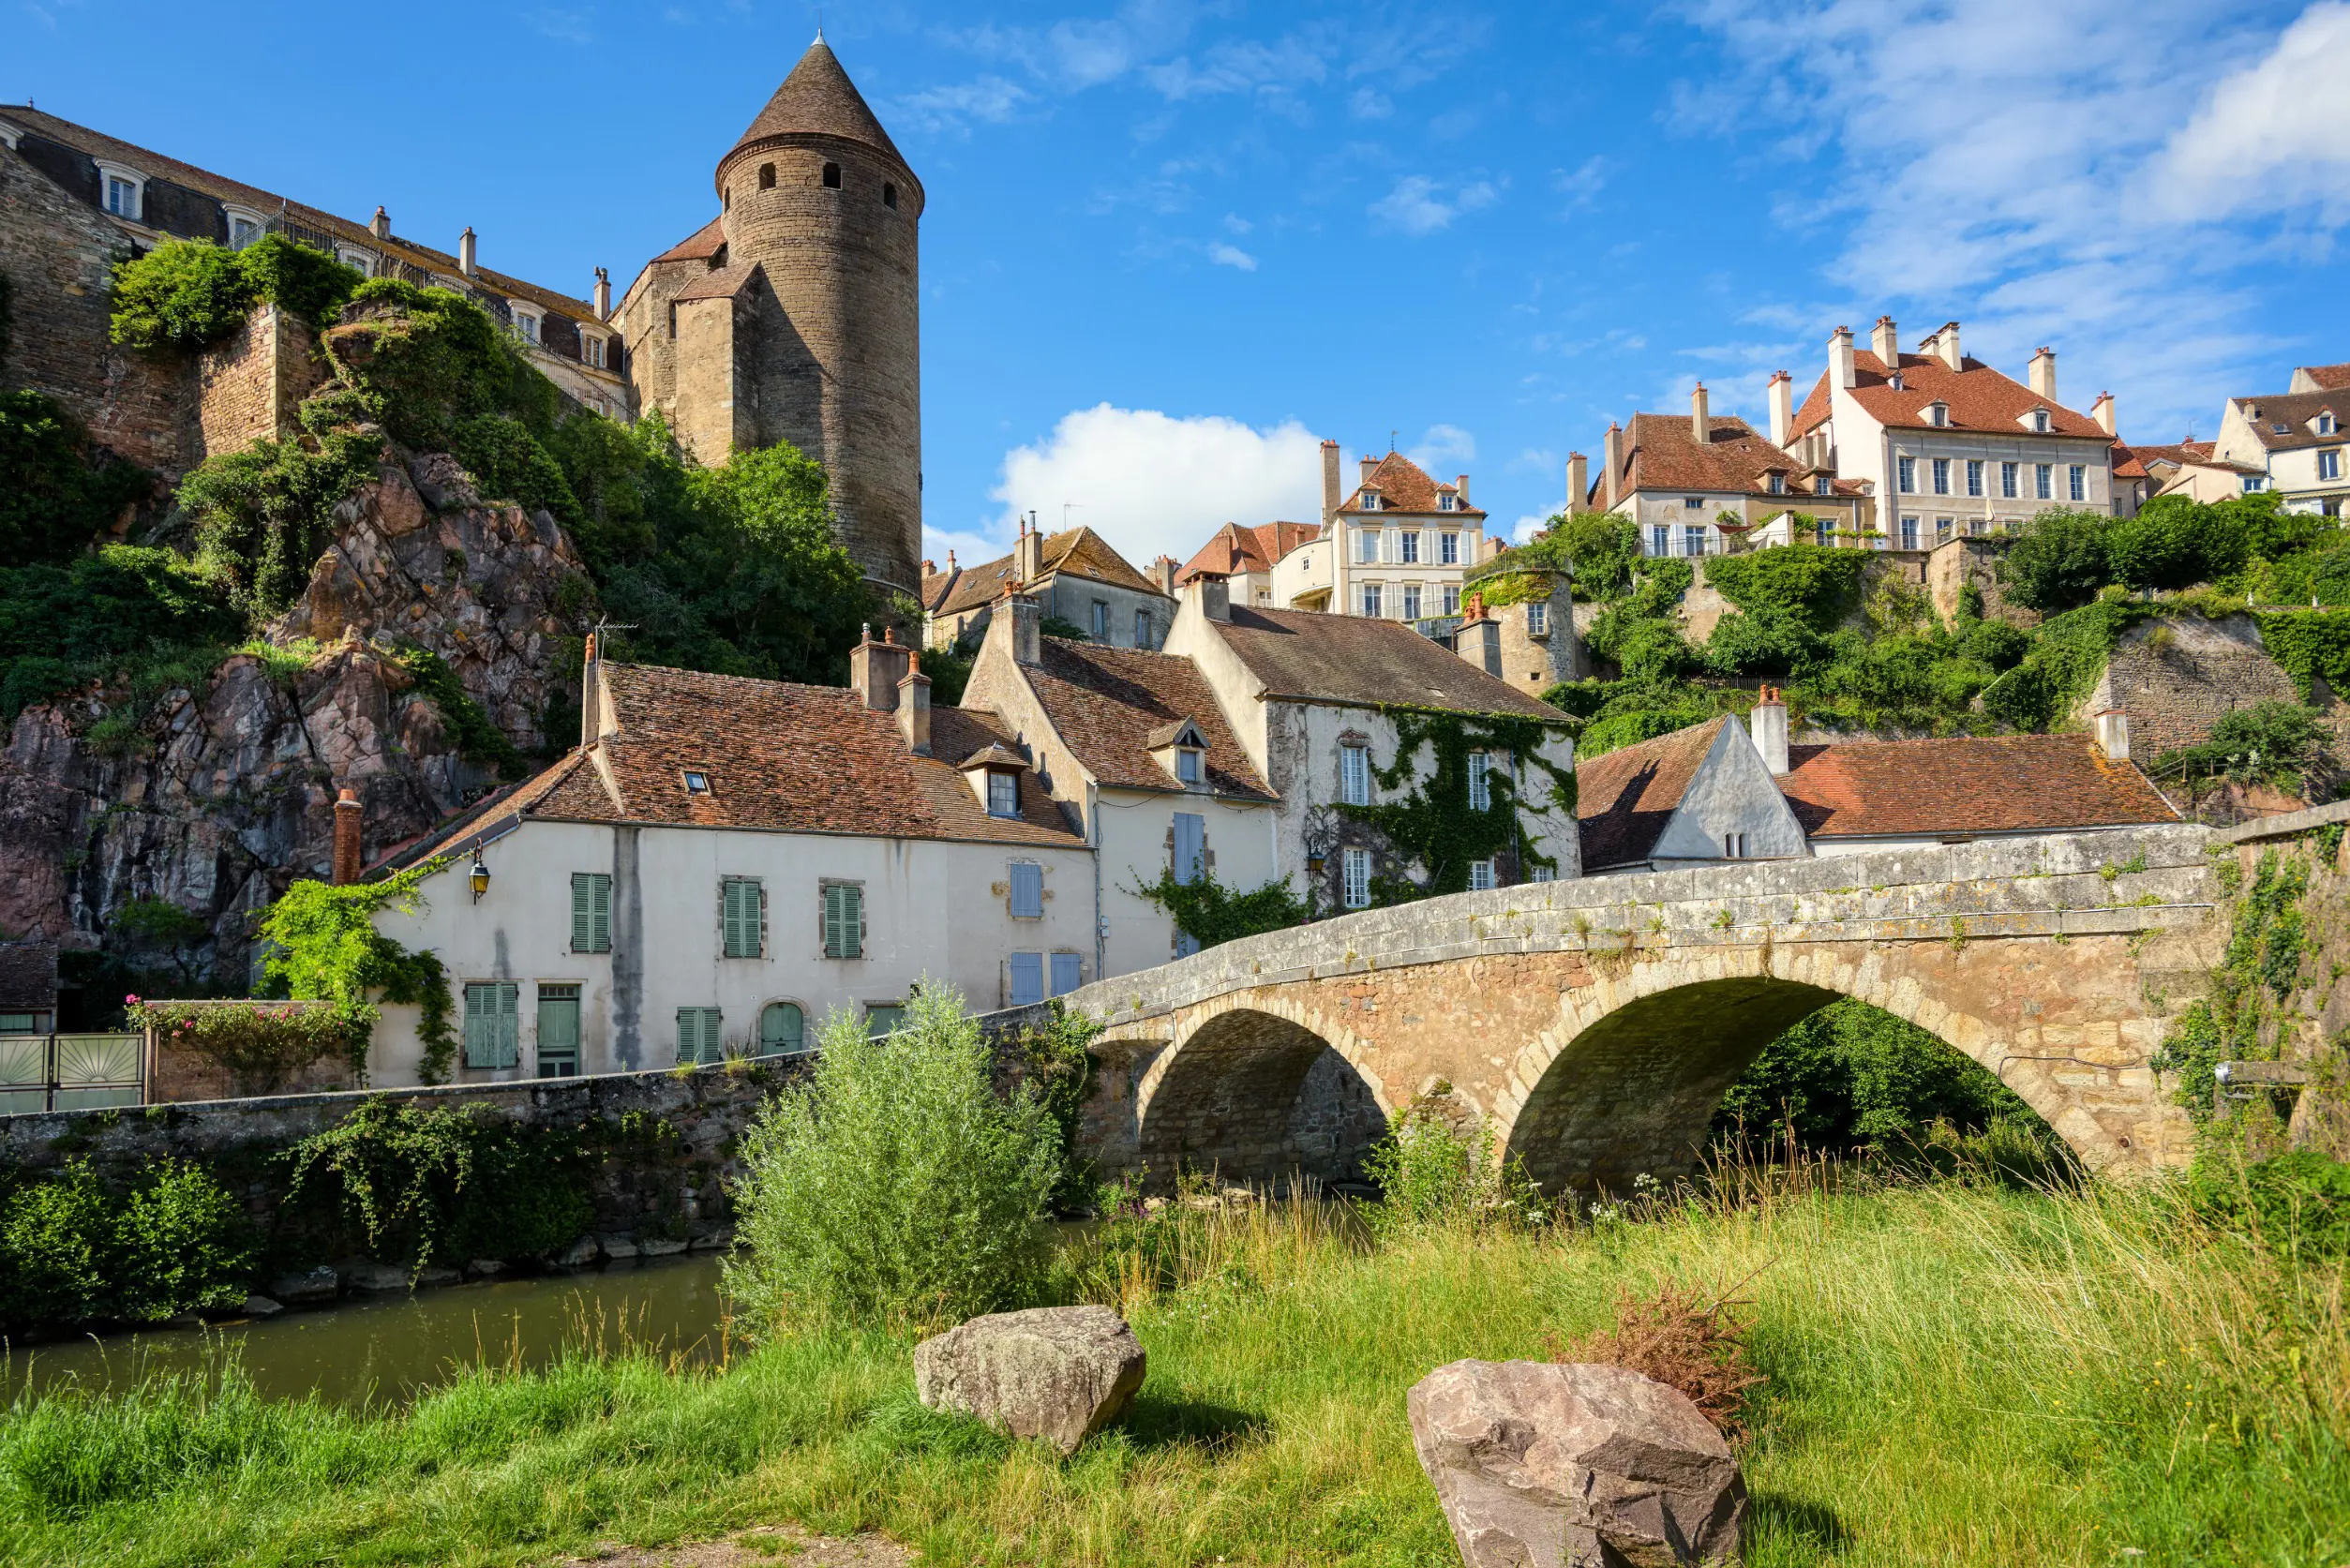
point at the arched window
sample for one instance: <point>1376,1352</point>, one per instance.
<point>832,176</point>
<point>766,176</point>
<point>782,1029</point>
<point>888,194</point>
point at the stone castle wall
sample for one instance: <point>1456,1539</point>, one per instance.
<point>250,385</point>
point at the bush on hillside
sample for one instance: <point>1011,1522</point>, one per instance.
<point>71,1252</point>
<point>1809,583</point>
<point>895,1187</point>
<point>143,614</point>
<point>55,493</point>
<point>2274,743</point>
<point>1431,1176</point>
<point>2060,561</point>
<point>187,294</point>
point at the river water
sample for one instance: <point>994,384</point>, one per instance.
<point>386,1349</point>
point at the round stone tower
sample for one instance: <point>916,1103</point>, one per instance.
<point>816,197</point>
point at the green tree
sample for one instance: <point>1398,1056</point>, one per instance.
<point>54,495</point>
<point>2061,559</point>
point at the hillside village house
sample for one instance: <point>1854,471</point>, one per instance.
<point>1402,542</point>
<point>1136,746</point>
<point>2294,443</point>
<point>1076,577</point>
<point>1272,565</point>
<point>1677,478</point>
<point>2188,469</point>
<point>1723,791</point>
<point>723,862</point>
<point>1948,446</point>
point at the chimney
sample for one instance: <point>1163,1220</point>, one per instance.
<point>2103,412</point>
<point>2112,734</point>
<point>348,816</point>
<point>1612,450</point>
<point>1886,343</point>
<point>1946,345</point>
<point>1700,418</point>
<point>1331,494</point>
<point>1782,408</point>
<point>1577,482</point>
<point>1028,628</point>
<point>1215,595</point>
<point>874,668</point>
<point>1840,372</point>
<point>951,566</point>
<point>590,695</point>
<point>914,706</point>
<point>1027,556</point>
<point>930,567</point>
<point>1369,464</point>
<point>602,295</point>
<point>1163,575</point>
<point>465,251</point>
<point>2043,374</point>
<point>1479,640</point>
<point>1462,485</point>
<point>380,225</point>
<point>1767,725</point>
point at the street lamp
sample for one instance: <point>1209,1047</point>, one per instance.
<point>479,876</point>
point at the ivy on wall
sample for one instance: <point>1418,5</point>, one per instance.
<point>2267,939</point>
<point>1209,912</point>
<point>324,947</point>
<point>1427,820</point>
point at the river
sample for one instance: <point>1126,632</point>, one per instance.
<point>385,1350</point>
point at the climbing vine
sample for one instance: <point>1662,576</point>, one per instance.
<point>1211,912</point>
<point>2310,643</point>
<point>2266,941</point>
<point>324,947</point>
<point>1429,820</point>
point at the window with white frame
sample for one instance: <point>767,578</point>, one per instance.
<point>1941,530</point>
<point>244,227</point>
<point>1355,877</point>
<point>527,324</point>
<point>1367,547</point>
<point>1408,547</point>
<point>1908,533</point>
<point>1480,783</point>
<point>1537,618</point>
<point>1452,600</point>
<point>1371,601</point>
<point>1448,549</point>
<point>1974,476</point>
<point>2008,473</point>
<point>1411,601</point>
<point>1693,539</point>
<point>1544,874</point>
<point>2329,463</point>
<point>1354,775</point>
<point>359,262</point>
<point>1446,501</point>
<point>2325,423</point>
<point>1937,415</point>
<point>1906,475</point>
<point>2040,422</point>
<point>592,351</point>
<point>1823,486</point>
<point>2254,482</point>
<point>1693,503</point>
<point>1942,476</point>
<point>2076,482</point>
<point>2044,480</point>
<point>1778,483</point>
<point>1660,541</point>
<point>1003,792</point>
<point>1978,525</point>
<point>1370,501</point>
<point>1480,876</point>
<point>123,192</point>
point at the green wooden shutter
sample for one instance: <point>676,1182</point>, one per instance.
<point>844,920</point>
<point>853,921</point>
<point>509,1025</point>
<point>739,898</point>
<point>590,912</point>
<point>481,1025</point>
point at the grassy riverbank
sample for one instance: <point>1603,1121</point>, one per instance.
<point>1957,1374</point>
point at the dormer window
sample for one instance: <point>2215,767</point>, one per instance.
<point>1370,501</point>
<point>1003,794</point>
<point>1182,749</point>
<point>122,191</point>
<point>2040,422</point>
<point>697,783</point>
<point>592,351</point>
<point>527,325</point>
<point>994,772</point>
<point>1894,382</point>
<point>1823,486</point>
<point>1776,483</point>
<point>1188,765</point>
<point>2326,422</point>
<point>1937,415</point>
<point>1446,502</point>
<point>2280,428</point>
<point>243,226</point>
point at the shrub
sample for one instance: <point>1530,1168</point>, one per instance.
<point>2297,1203</point>
<point>324,947</point>
<point>1431,1176</point>
<point>1814,584</point>
<point>2060,561</point>
<point>1684,1340</point>
<point>265,515</point>
<point>259,1045</point>
<point>1211,912</point>
<point>895,1186</point>
<point>141,614</point>
<point>2276,742</point>
<point>71,1252</point>
<point>187,294</point>
<point>56,495</point>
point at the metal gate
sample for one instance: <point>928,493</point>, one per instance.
<point>71,1072</point>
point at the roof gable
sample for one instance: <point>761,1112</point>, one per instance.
<point>1079,551</point>
<point>1977,396</point>
<point>1308,656</point>
<point>1112,707</point>
<point>1624,797</point>
<point>1403,486</point>
<point>1661,452</point>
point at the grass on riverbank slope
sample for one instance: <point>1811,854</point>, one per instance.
<point>1957,1375</point>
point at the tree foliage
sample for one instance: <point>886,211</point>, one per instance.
<point>1211,912</point>
<point>56,493</point>
<point>188,294</point>
<point>323,947</point>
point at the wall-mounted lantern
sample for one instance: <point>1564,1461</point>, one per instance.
<point>479,877</point>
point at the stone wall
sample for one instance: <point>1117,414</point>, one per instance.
<point>1952,566</point>
<point>2176,678</point>
<point>250,385</point>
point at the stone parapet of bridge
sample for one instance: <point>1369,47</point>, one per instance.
<point>1596,1023</point>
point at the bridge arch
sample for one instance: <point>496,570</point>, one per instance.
<point>1258,1087</point>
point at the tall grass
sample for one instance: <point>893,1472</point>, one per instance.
<point>1957,1373</point>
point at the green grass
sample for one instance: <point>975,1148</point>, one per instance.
<point>1958,1374</point>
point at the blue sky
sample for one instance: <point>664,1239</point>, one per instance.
<point>1169,246</point>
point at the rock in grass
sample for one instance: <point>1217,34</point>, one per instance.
<point>1058,1373</point>
<point>1575,1465</point>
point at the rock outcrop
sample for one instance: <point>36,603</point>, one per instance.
<point>1588,1467</point>
<point>1057,1373</point>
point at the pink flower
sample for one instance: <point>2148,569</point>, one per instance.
<point>130,1001</point>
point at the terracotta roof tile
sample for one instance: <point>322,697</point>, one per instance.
<point>785,758</point>
<point>700,246</point>
<point>1403,486</point>
<point>1624,797</point>
<point>1235,549</point>
<point>1978,398</point>
<point>1661,453</point>
<point>1304,654</point>
<point>1079,551</point>
<point>2176,455</point>
<point>2294,411</point>
<point>1107,704</point>
<point>2329,378</point>
<point>1993,783</point>
<point>819,99</point>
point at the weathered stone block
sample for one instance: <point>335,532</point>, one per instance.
<point>1055,1373</point>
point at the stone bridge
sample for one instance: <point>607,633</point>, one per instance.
<point>1598,1024</point>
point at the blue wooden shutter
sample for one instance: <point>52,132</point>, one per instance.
<point>1190,846</point>
<point>1028,979</point>
<point>1068,973</point>
<point>1027,890</point>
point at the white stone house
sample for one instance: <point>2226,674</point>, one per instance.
<point>2295,442</point>
<point>1948,446</point>
<point>1705,484</point>
<point>725,862</point>
<point>1137,748</point>
<point>1401,543</point>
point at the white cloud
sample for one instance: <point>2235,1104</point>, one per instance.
<point>1231,256</point>
<point>1582,184</point>
<point>1153,484</point>
<point>989,98</point>
<point>1443,445</point>
<point>1532,523</point>
<point>1369,103</point>
<point>2272,136</point>
<point>1419,205</point>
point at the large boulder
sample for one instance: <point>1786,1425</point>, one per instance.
<point>1539,1465</point>
<point>1058,1373</point>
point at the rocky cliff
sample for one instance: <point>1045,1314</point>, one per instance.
<point>215,797</point>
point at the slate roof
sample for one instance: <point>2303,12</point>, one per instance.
<point>819,99</point>
<point>269,204</point>
<point>1403,486</point>
<point>1987,783</point>
<point>1306,656</point>
<point>1660,452</point>
<point>1978,396</point>
<point>1078,551</point>
<point>1108,705</point>
<point>1235,549</point>
<point>1626,797</point>
<point>718,283</point>
<point>2295,411</point>
<point>780,757</point>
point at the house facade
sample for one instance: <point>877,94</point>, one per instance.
<point>1707,483</point>
<point>2190,469</point>
<point>1258,563</point>
<point>1400,543</point>
<point>723,863</point>
<point>1137,748</point>
<point>1948,446</point>
<point>1726,791</point>
<point>2295,442</point>
<point>1074,576</point>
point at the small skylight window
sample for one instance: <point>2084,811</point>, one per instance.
<point>697,783</point>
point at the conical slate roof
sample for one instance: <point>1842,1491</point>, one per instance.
<point>817,98</point>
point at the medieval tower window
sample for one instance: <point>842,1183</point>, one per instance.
<point>766,176</point>
<point>832,176</point>
<point>888,194</point>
